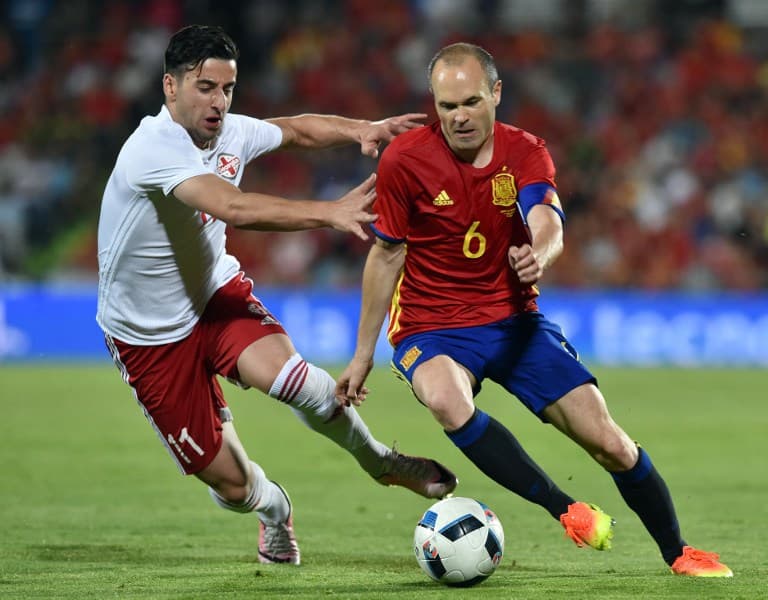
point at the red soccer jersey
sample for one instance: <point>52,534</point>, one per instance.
<point>458,222</point>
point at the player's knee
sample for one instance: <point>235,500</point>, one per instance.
<point>231,496</point>
<point>616,453</point>
<point>235,494</point>
<point>451,410</point>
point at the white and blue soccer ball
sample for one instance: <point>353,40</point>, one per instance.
<point>458,542</point>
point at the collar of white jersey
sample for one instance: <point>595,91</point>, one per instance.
<point>165,115</point>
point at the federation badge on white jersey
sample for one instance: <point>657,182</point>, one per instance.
<point>227,165</point>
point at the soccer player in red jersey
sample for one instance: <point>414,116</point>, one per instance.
<point>469,219</point>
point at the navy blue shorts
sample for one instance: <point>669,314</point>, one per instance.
<point>526,354</point>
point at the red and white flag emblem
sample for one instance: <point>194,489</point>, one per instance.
<point>227,165</point>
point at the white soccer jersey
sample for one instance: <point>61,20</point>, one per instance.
<point>160,261</point>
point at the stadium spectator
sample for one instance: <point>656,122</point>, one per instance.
<point>655,110</point>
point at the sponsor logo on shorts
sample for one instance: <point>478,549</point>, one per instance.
<point>257,309</point>
<point>570,350</point>
<point>410,357</point>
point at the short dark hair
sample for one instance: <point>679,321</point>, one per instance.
<point>456,53</point>
<point>192,45</point>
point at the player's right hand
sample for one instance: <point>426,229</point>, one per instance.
<point>352,210</point>
<point>350,386</point>
<point>525,263</point>
<point>384,131</point>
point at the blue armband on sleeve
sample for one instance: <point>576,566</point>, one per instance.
<point>384,236</point>
<point>539,193</point>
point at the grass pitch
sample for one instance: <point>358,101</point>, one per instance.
<point>92,507</point>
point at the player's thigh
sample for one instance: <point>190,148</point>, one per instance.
<point>181,398</point>
<point>244,342</point>
<point>445,387</point>
<point>582,415</point>
<point>536,363</point>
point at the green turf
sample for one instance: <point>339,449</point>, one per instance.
<point>91,506</point>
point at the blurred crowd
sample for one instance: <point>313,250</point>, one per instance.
<point>655,111</point>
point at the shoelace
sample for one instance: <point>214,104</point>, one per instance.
<point>412,467</point>
<point>572,534</point>
<point>569,531</point>
<point>277,539</point>
<point>572,522</point>
<point>579,518</point>
<point>710,558</point>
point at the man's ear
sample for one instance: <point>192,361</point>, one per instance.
<point>170,86</point>
<point>497,92</point>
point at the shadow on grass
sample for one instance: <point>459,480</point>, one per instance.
<point>90,553</point>
<point>122,554</point>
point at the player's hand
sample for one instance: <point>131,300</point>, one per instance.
<point>378,132</point>
<point>525,263</point>
<point>350,386</point>
<point>350,212</point>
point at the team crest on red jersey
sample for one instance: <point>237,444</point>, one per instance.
<point>227,165</point>
<point>504,189</point>
<point>505,192</point>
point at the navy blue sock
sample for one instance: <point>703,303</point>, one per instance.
<point>497,453</point>
<point>645,492</point>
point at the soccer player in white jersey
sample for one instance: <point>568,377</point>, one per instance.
<point>176,309</point>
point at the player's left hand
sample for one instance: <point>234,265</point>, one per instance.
<point>525,263</point>
<point>378,132</point>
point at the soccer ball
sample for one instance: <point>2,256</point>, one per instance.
<point>458,541</point>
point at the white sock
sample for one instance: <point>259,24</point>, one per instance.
<point>310,393</point>
<point>266,499</point>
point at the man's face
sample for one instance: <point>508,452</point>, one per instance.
<point>199,99</point>
<point>465,105</point>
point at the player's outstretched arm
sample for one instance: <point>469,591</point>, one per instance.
<point>382,269</point>
<point>324,131</point>
<point>222,200</point>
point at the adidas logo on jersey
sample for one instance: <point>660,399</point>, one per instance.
<point>442,199</point>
